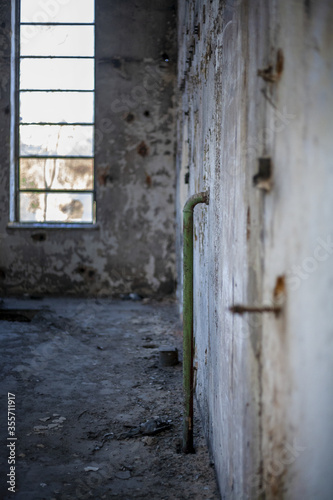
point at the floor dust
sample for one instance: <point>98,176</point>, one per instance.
<point>97,417</point>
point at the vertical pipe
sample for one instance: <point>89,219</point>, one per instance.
<point>188,317</point>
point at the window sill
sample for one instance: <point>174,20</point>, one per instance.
<point>50,225</point>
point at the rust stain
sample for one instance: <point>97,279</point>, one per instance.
<point>148,180</point>
<point>279,293</point>
<point>269,74</point>
<point>103,176</point>
<point>276,484</point>
<point>279,63</point>
<point>142,149</point>
<point>280,286</point>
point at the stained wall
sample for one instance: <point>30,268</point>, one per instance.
<point>132,247</point>
<point>256,81</point>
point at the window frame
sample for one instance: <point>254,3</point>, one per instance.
<point>14,208</point>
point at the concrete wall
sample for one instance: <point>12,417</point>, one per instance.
<point>264,381</point>
<point>132,249</point>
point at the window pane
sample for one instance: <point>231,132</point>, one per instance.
<point>57,40</point>
<point>56,207</point>
<point>32,207</point>
<point>55,11</point>
<point>64,107</point>
<point>56,174</point>
<point>56,140</point>
<point>50,61</point>
<point>72,207</point>
<point>49,74</point>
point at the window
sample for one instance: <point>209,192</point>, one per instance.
<point>55,112</point>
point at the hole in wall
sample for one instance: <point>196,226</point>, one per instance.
<point>116,63</point>
<point>263,179</point>
<point>85,271</point>
<point>38,236</point>
<point>142,149</point>
<point>130,117</point>
<point>80,269</point>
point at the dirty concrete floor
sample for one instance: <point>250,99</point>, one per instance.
<point>86,374</point>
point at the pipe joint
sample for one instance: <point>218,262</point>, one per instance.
<point>202,197</point>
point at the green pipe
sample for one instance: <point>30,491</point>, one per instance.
<point>188,341</point>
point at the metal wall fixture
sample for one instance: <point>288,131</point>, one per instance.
<point>276,306</point>
<point>263,179</point>
<point>188,343</point>
<point>240,309</point>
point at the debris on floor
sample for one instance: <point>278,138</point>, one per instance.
<point>97,416</point>
<point>149,428</point>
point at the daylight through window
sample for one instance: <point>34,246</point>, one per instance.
<point>55,128</point>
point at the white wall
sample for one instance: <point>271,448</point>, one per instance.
<point>264,383</point>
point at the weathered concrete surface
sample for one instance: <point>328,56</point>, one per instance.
<point>86,374</point>
<point>132,249</point>
<point>264,382</point>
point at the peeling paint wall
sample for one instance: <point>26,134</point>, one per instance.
<point>132,247</point>
<point>256,82</point>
